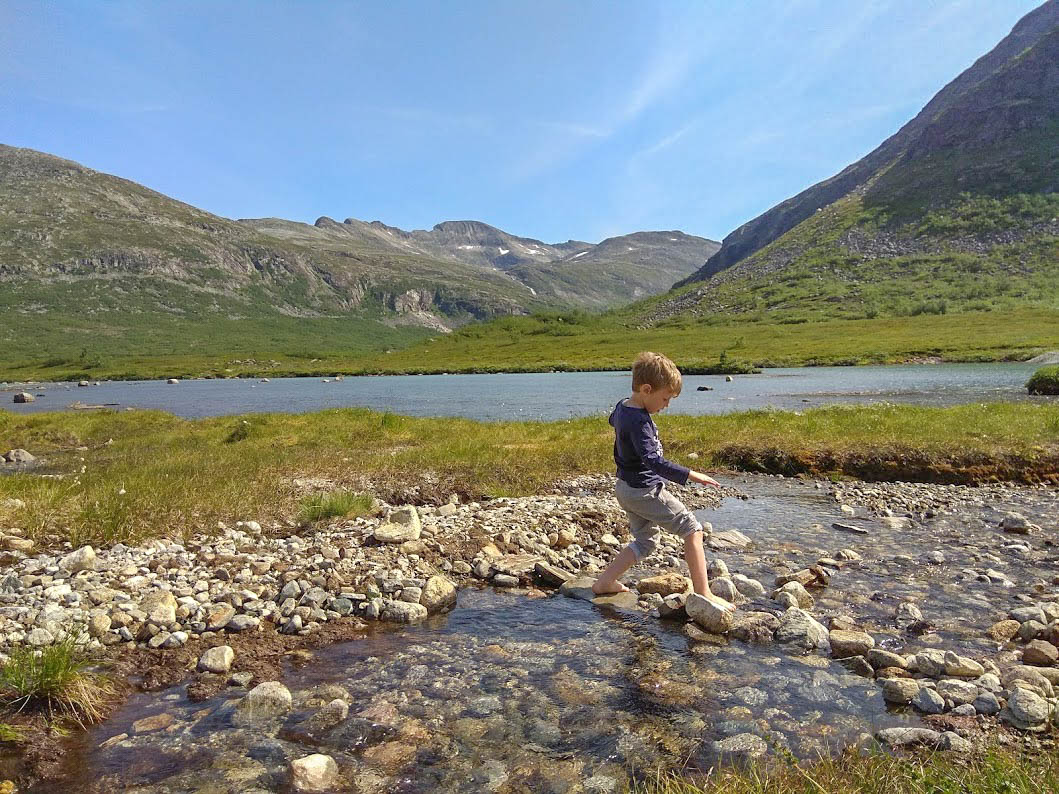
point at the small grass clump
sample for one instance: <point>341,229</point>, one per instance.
<point>337,504</point>
<point>996,771</point>
<point>56,679</point>
<point>1044,381</point>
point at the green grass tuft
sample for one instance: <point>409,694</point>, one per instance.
<point>1044,381</point>
<point>340,504</point>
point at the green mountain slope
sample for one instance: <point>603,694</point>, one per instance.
<point>954,211</point>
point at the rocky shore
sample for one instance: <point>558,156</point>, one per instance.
<point>936,606</point>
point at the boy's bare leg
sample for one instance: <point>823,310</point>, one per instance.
<point>608,580</point>
<point>695,557</point>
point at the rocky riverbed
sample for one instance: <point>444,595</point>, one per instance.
<point>898,613</point>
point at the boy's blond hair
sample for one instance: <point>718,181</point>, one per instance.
<point>656,370</point>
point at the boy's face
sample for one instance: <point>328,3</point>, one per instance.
<point>654,400</point>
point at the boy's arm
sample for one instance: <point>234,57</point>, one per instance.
<point>645,442</point>
<point>703,479</point>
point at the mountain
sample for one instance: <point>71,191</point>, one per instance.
<point>74,240</point>
<point>959,202</point>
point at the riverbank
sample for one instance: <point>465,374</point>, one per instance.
<point>121,476</point>
<point>905,609</point>
<point>581,342</point>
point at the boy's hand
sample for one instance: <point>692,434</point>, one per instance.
<point>703,479</point>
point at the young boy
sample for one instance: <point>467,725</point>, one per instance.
<point>641,469</point>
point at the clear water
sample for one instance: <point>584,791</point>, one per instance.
<point>548,396</point>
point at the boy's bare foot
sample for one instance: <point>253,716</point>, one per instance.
<point>719,602</point>
<point>608,589</point>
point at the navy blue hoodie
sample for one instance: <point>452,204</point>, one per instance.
<point>637,450</point>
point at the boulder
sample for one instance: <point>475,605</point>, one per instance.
<point>1004,630</point>
<point>402,525</point>
<point>880,658</point>
<point>1026,710</point>
<point>899,690</point>
<point>403,612</point>
<point>24,397</point>
<point>551,575</point>
<point>160,607</point>
<point>755,627</point>
<point>741,748</point>
<point>314,773</point>
<point>1040,654</point>
<point>217,660</point>
<point>850,643</point>
<point>798,628</point>
<point>19,456</point>
<point>82,559</point>
<point>673,607</point>
<point>439,594</point>
<point>928,701</point>
<point>708,614</point>
<point>908,737</point>
<point>751,588</point>
<point>959,692</point>
<point>798,592</point>
<point>262,703</point>
<point>664,584</point>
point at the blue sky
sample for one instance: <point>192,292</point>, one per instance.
<point>552,120</point>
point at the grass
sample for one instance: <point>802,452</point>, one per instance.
<point>55,678</point>
<point>148,472</point>
<point>997,771</point>
<point>337,504</point>
<point>1044,381</point>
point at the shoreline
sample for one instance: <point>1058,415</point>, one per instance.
<point>474,545</point>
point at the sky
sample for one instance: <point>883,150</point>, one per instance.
<point>552,120</point>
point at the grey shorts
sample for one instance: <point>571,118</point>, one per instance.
<point>651,508</point>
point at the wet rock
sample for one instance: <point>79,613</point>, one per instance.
<point>1040,654</point>
<point>439,594</point>
<point>725,588</point>
<point>156,722</point>
<point>729,539</point>
<point>1004,630</point>
<point>264,702</point>
<point>798,628</point>
<point>899,690</point>
<point>751,588</point>
<point>505,580</point>
<point>626,600</point>
<point>1026,710</point>
<point>1017,524</point>
<point>755,627</point>
<point>852,528</point>
<point>673,607</point>
<point>708,614</point>
<point>850,643</point>
<point>217,660</point>
<point>1031,630</point>
<point>83,559</point>
<point>1026,614</point>
<point>314,773</point>
<point>741,748</point>
<point>664,584</point>
<point>796,591</point>
<point>908,737</point>
<point>936,663</point>
<point>403,612</point>
<point>906,615</point>
<point>580,587</point>
<point>551,575</point>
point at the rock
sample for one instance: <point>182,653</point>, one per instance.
<point>439,594</point>
<point>708,614</point>
<point>313,773</point>
<point>1004,630</point>
<point>156,722</point>
<point>755,627</point>
<point>908,737</point>
<point>262,703</point>
<point>447,509</point>
<point>799,593</point>
<point>843,527</point>
<point>986,703</point>
<point>1026,614</point>
<point>936,663</point>
<point>581,587</point>
<point>403,612</point>
<point>717,568</point>
<point>798,628</point>
<point>551,575</point>
<point>520,566</point>
<point>802,577</point>
<point>880,658</point>
<point>19,456</point>
<point>751,588</point>
<point>962,666</point>
<point>242,623</point>
<point>564,538</point>
<point>160,607</point>
<point>24,397</point>
<point>12,543</point>
<point>83,559</point>
<point>728,539</point>
<point>1026,710</point>
<point>505,580</point>
<point>394,532</point>
<point>1031,630</point>
<point>1040,654</point>
<point>39,638</point>
<point>959,692</point>
<point>1017,524</point>
<point>1033,677</point>
<point>740,748</point>
<point>673,607</point>
<point>665,584</point>
<point>217,660</point>
<point>724,588</point>
<point>928,700</point>
<point>954,743</point>
<point>858,665</point>
<point>172,381</point>
<point>219,616</point>
<point>98,625</point>
<point>850,643</point>
<point>899,690</point>
<point>906,614</point>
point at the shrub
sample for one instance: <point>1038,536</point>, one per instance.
<point>1044,381</point>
